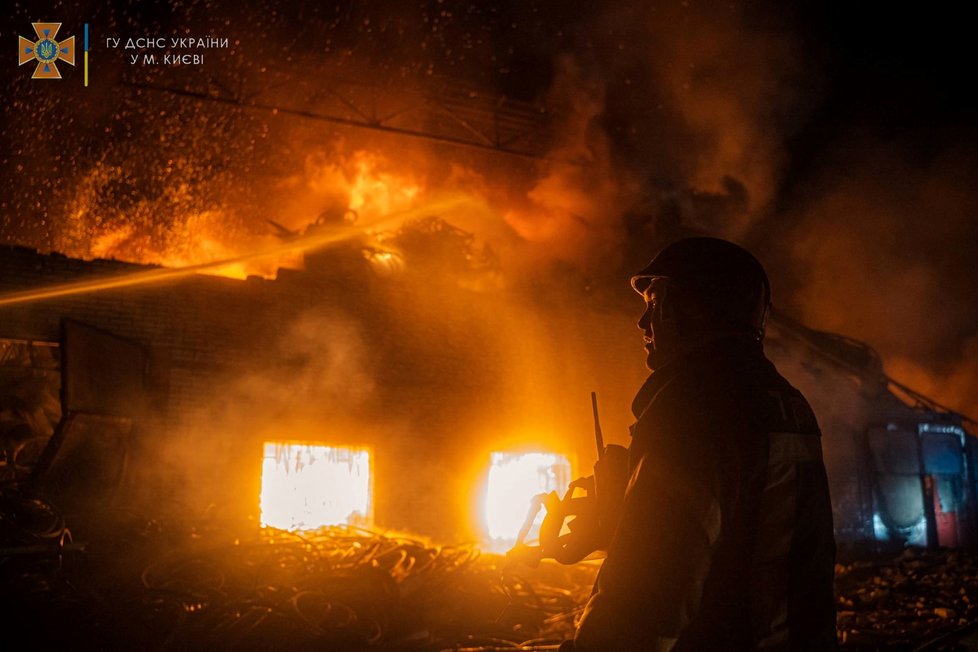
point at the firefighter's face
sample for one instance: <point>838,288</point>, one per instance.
<point>658,323</point>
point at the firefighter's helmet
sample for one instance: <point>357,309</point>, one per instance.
<point>725,278</point>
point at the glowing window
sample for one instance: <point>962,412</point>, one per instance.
<point>514,479</point>
<point>304,486</point>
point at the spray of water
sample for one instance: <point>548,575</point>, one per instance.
<point>308,242</point>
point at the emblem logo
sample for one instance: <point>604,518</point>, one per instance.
<point>46,51</point>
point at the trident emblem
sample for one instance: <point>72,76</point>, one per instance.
<point>46,51</point>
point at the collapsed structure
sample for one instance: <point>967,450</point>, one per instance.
<point>901,467</point>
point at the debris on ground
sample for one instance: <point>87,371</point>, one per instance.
<point>898,602</point>
<point>137,583</point>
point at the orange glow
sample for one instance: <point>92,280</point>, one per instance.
<point>306,486</point>
<point>373,191</point>
<point>186,225</point>
<point>367,184</point>
<point>514,479</point>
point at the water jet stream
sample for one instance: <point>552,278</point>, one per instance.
<point>319,238</point>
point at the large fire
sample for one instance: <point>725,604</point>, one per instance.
<point>306,486</point>
<point>371,192</point>
<point>367,196</point>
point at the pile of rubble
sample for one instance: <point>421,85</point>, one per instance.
<point>898,603</point>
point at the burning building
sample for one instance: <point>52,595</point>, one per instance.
<point>424,217</point>
<point>318,397</point>
<point>330,395</point>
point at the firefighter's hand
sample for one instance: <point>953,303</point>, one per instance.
<point>571,529</point>
<point>610,480</point>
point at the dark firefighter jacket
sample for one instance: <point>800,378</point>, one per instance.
<point>725,540</point>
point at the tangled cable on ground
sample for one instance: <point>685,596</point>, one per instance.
<point>337,586</point>
<point>149,585</point>
<point>258,588</point>
<point>29,526</point>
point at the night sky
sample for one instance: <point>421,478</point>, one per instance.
<point>835,140</point>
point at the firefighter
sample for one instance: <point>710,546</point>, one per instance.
<point>724,538</point>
